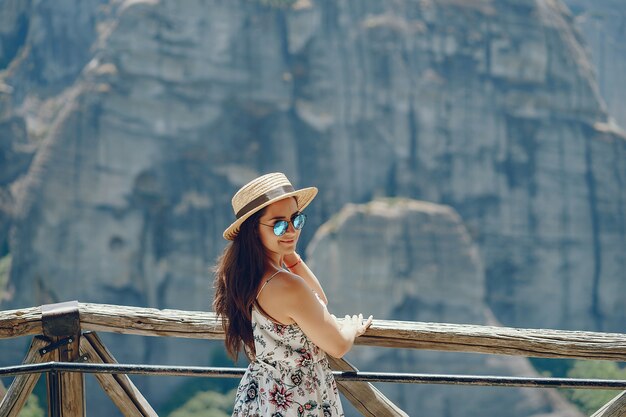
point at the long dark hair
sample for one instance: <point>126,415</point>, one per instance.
<point>237,275</point>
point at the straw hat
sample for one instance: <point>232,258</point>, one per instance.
<point>261,192</point>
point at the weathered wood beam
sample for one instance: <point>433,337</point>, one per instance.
<point>150,321</point>
<point>365,397</point>
<point>22,322</point>
<point>119,388</point>
<point>496,340</point>
<point>614,408</point>
<point>388,333</point>
<point>23,385</point>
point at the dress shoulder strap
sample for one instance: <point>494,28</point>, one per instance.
<point>267,281</point>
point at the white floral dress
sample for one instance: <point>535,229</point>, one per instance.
<point>290,376</point>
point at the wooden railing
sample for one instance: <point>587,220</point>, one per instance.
<point>65,325</point>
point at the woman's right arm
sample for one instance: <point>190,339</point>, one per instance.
<point>301,305</point>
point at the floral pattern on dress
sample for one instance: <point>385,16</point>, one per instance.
<point>290,376</point>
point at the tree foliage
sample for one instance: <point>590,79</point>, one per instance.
<point>184,393</point>
<point>590,401</point>
<point>32,408</point>
<point>587,400</point>
<point>207,404</point>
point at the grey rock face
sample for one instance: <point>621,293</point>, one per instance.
<point>15,157</point>
<point>603,25</point>
<point>490,108</point>
<point>408,253</point>
<point>147,116</point>
<point>45,45</point>
<point>410,260</point>
<point>15,154</point>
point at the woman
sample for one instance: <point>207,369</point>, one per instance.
<point>275,307</point>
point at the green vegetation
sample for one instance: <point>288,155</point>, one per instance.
<point>587,400</point>
<point>590,401</point>
<point>32,408</point>
<point>213,396</point>
<point>190,396</point>
<point>207,404</point>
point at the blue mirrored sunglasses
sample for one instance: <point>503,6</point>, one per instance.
<point>281,226</point>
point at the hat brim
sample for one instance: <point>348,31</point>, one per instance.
<point>304,197</point>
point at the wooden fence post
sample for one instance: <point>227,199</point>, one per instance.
<point>66,390</point>
<point>365,397</point>
<point>118,387</point>
<point>614,408</point>
<point>23,385</point>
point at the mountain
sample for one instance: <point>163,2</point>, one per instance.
<point>603,26</point>
<point>415,261</point>
<point>135,121</point>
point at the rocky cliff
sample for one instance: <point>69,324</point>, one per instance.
<point>421,265</point>
<point>603,25</point>
<point>147,115</point>
<point>490,107</point>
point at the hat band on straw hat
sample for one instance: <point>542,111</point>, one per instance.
<point>264,198</point>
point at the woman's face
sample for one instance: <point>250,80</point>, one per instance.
<point>280,210</point>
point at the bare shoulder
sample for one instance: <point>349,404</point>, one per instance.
<point>287,284</point>
<point>282,295</point>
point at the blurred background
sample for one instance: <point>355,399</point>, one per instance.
<point>470,157</point>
